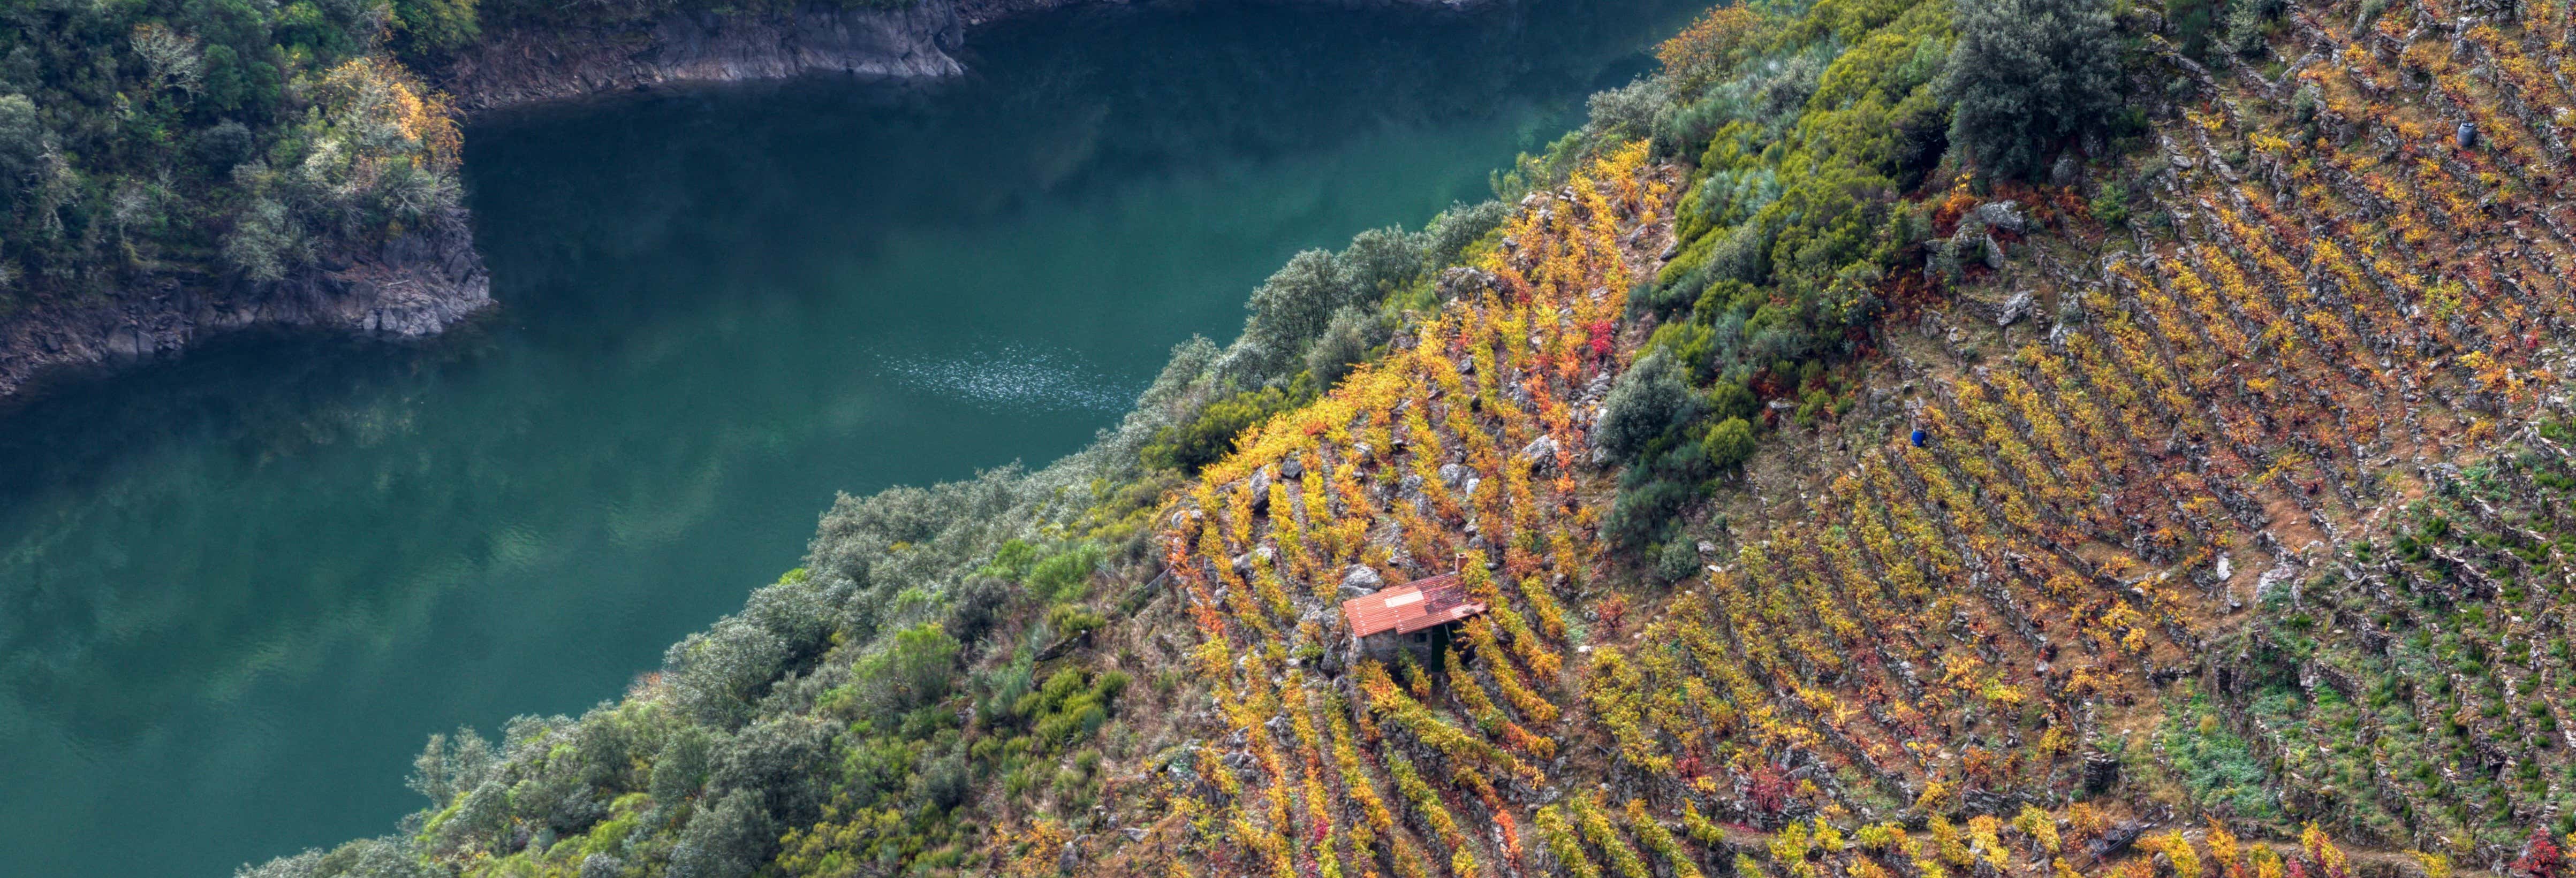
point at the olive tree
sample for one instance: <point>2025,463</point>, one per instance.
<point>2027,74</point>
<point>1293,305</point>
<point>727,840</point>
<point>1648,400</point>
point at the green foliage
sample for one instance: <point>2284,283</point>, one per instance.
<point>1346,341</point>
<point>426,30</point>
<point>1069,620</point>
<point>2214,764</point>
<point>1066,575</point>
<point>1729,444</point>
<point>912,670</point>
<point>2111,206</point>
<point>1648,400</point>
<point>728,840</point>
<point>1790,226</point>
<point>2026,75</point>
<point>140,142</point>
<point>1209,435</point>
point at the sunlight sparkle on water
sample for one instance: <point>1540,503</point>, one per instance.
<point>1016,377</point>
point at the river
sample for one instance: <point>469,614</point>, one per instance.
<point>237,590</point>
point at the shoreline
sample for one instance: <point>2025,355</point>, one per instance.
<point>426,281</point>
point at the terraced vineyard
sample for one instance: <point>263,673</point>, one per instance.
<point>1451,452</point>
<point>1841,501</point>
<point>2265,529</point>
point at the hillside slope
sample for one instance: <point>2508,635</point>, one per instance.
<point>2167,487</point>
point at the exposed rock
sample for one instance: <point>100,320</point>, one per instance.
<point>415,285</point>
<point>2067,171</point>
<point>549,63</point>
<point>1461,282</point>
<point>1261,489</point>
<point>1360,581</point>
<point>2020,305</point>
<point>2005,215</point>
<point>1540,452</point>
<point>1451,473</point>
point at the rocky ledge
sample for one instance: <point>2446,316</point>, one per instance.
<point>528,66</point>
<point>415,285</point>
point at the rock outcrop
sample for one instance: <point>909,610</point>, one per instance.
<point>531,65</point>
<point>414,285</point>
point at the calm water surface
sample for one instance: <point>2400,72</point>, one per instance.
<point>236,591</point>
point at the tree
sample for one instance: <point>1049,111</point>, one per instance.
<point>23,143</point>
<point>1379,261</point>
<point>1346,341</point>
<point>425,30</point>
<point>1291,307</point>
<point>2027,74</point>
<point>727,840</point>
<point>1648,400</point>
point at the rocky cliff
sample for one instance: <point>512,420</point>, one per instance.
<point>524,66</point>
<point>414,285</point>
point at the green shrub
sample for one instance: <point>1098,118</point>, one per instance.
<point>1066,575</point>
<point>1208,436</point>
<point>1729,444</point>
<point>1648,400</point>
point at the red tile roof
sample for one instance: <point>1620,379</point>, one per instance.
<point>1404,609</point>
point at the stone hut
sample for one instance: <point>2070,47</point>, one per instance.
<point>1407,616</point>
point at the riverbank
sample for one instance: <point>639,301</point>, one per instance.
<point>425,280</point>
<point>416,285</point>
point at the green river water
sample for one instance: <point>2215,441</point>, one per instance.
<point>237,590</point>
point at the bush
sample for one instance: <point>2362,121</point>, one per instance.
<point>1066,575</point>
<point>1731,400</point>
<point>1208,436</point>
<point>426,30</point>
<point>1729,444</point>
<point>1291,307</point>
<point>1630,112</point>
<point>781,762</point>
<point>1449,235</point>
<point>1346,342</point>
<point>977,604</point>
<point>946,782</point>
<point>1644,514</point>
<point>365,858</point>
<point>717,676</point>
<point>2026,75</point>
<point>912,669</point>
<point>1648,400</point>
<point>1677,561</point>
<point>2111,205</point>
<point>727,840</point>
<point>1710,47</point>
<point>680,768</point>
<point>1378,262</point>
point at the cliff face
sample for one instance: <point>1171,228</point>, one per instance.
<point>524,66</point>
<point>415,285</point>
